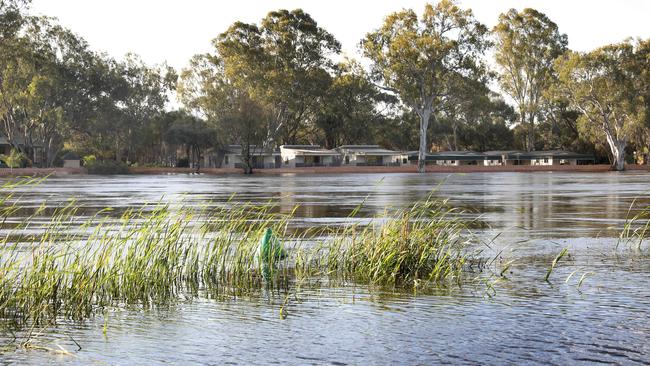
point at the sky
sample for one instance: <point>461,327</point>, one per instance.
<point>175,30</point>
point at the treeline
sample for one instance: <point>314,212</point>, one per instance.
<point>277,82</point>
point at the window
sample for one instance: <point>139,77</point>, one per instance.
<point>453,161</point>
<point>347,159</point>
<point>226,159</point>
<point>405,160</point>
<point>545,160</point>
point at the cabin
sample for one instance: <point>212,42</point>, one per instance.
<point>501,157</point>
<point>450,158</point>
<point>539,158</point>
<point>71,160</point>
<point>5,146</point>
<point>298,156</point>
<point>370,155</point>
<point>232,156</point>
<point>505,157</point>
<point>34,152</point>
<point>492,158</point>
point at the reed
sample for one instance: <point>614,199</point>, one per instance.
<point>59,266</point>
<point>636,230</point>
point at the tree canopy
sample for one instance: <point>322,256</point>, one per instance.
<point>604,85</point>
<point>418,58</point>
<point>527,43</point>
<point>425,83</point>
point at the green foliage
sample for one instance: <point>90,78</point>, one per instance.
<point>425,242</point>
<point>106,167</point>
<point>89,159</point>
<point>183,163</point>
<point>420,59</point>
<point>282,65</point>
<point>275,82</point>
<point>192,133</point>
<point>604,86</point>
<point>527,44</point>
<point>15,159</point>
<point>557,258</point>
<point>354,109</point>
<point>154,255</point>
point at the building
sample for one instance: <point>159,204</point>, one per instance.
<point>5,146</point>
<point>71,160</point>
<point>450,158</point>
<point>232,156</point>
<point>505,157</point>
<point>538,158</point>
<point>370,155</point>
<point>297,156</point>
<point>34,152</point>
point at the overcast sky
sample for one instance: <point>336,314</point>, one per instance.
<point>174,30</point>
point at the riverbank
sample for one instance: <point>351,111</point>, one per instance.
<point>335,170</point>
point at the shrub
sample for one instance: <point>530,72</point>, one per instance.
<point>106,167</point>
<point>15,159</point>
<point>89,159</point>
<point>183,163</point>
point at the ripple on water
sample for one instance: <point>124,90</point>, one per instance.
<point>529,321</point>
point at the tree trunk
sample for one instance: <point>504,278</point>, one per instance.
<point>617,148</point>
<point>248,166</point>
<point>118,152</point>
<point>531,132</point>
<point>455,128</point>
<point>424,124</point>
<point>247,158</point>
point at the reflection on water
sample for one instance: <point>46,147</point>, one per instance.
<point>528,321</point>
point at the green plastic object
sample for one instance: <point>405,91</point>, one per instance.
<point>271,249</point>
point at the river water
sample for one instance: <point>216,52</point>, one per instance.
<point>522,320</point>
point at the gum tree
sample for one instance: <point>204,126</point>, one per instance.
<point>283,63</point>
<point>527,43</point>
<point>604,86</point>
<point>416,58</point>
<point>226,105</point>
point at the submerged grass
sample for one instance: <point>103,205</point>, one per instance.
<point>157,253</point>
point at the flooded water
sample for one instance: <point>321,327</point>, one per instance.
<point>595,309</point>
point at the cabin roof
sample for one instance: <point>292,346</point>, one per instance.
<point>71,155</point>
<point>501,154</point>
<point>529,155</point>
<point>372,150</point>
<point>450,155</point>
<point>254,149</point>
<point>316,152</point>
<point>301,147</point>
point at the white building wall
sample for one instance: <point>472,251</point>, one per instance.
<point>491,162</point>
<point>288,157</point>
<point>448,162</point>
<point>542,161</point>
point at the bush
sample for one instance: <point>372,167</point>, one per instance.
<point>15,159</point>
<point>89,159</point>
<point>106,167</point>
<point>183,163</point>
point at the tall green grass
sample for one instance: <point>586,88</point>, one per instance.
<point>71,267</point>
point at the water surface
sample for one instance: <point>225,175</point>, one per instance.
<point>527,320</point>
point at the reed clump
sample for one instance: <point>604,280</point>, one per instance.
<point>426,241</point>
<point>71,267</point>
<point>636,230</point>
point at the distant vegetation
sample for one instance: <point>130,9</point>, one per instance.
<point>275,82</point>
<point>106,167</point>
